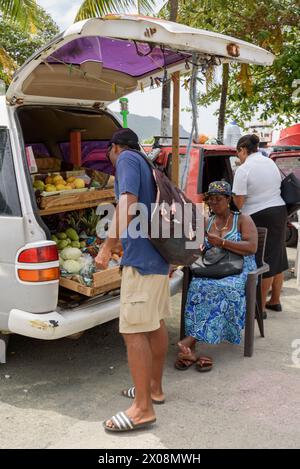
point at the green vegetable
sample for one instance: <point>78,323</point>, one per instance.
<point>62,244</point>
<point>61,236</point>
<point>54,238</point>
<point>72,266</point>
<point>75,244</point>
<point>70,253</point>
<point>71,233</point>
<point>96,184</point>
<point>82,244</point>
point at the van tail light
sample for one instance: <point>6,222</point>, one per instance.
<point>39,255</point>
<point>42,275</point>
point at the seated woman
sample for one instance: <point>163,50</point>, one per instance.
<point>215,308</point>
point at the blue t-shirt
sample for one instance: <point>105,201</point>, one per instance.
<point>133,175</point>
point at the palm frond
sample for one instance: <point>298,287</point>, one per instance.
<point>95,8</point>
<point>24,12</point>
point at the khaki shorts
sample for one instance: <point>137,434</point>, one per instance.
<point>145,300</point>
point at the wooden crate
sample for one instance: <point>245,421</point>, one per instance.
<point>104,281</point>
<point>75,201</point>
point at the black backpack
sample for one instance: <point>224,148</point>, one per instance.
<point>176,223</point>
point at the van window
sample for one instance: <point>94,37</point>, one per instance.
<point>289,164</point>
<point>9,198</point>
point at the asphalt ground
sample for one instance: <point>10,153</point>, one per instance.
<point>56,394</point>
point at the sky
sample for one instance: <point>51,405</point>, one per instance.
<point>145,104</point>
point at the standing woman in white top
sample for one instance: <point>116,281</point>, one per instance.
<point>256,187</point>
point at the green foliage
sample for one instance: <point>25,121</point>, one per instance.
<point>271,24</point>
<point>26,13</point>
<point>94,8</point>
<point>20,44</point>
<point>148,141</point>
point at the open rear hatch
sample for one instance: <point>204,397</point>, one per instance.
<point>102,59</point>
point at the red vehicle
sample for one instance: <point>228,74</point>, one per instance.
<point>207,163</point>
<point>289,136</point>
<point>287,159</point>
<point>215,162</point>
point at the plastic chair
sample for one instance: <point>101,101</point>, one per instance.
<point>254,308</point>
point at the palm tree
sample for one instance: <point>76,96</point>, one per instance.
<point>94,8</point>
<point>25,13</point>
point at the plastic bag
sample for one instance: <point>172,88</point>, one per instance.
<point>88,269</point>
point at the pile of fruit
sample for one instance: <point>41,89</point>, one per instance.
<point>66,238</point>
<point>58,183</point>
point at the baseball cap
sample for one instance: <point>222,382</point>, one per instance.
<point>125,137</point>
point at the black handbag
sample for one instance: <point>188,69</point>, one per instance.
<point>290,189</point>
<point>217,263</point>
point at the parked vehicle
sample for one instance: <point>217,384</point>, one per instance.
<point>289,136</point>
<point>65,87</point>
<point>215,162</point>
<point>207,163</point>
<point>287,159</point>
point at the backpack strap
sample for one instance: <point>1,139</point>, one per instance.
<point>150,163</point>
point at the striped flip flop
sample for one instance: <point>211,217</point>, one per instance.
<point>123,423</point>
<point>130,392</point>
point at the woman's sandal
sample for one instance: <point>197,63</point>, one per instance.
<point>204,364</point>
<point>130,392</point>
<point>183,362</point>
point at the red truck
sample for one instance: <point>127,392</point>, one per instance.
<point>215,162</point>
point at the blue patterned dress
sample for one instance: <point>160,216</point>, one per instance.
<point>215,308</point>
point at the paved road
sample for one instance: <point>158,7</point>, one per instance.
<point>58,392</point>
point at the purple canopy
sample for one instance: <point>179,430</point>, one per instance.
<point>132,58</point>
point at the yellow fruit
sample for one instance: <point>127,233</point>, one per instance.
<point>79,183</point>
<point>71,179</point>
<point>49,180</point>
<point>57,179</point>
<point>68,187</point>
<point>60,187</point>
<point>50,188</point>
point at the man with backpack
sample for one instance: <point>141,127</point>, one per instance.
<point>145,296</point>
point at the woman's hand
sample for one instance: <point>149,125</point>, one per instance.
<point>214,240</point>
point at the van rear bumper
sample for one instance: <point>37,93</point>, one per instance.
<point>55,325</point>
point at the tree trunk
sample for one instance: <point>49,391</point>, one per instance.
<point>223,101</point>
<point>165,108</point>
<point>173,10</point>
<point>166,89</point>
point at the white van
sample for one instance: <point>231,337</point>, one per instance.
<point>67,85</point>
